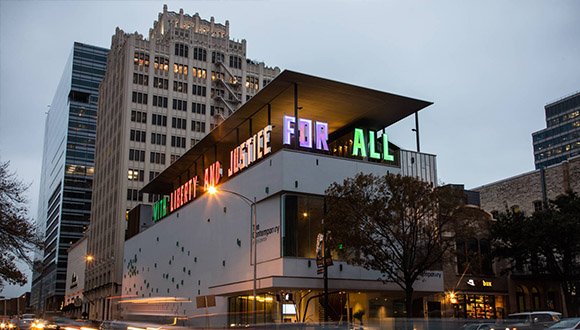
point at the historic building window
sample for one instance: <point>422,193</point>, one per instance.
<point>180,68</point>
<point>199,54</point>
<point>139,116</point>
<point>161,63</point>
<point>160,83</point>
<point>157,138</point>
<point>140,79</point>
<point>159,120</point>
<point>199,72</point>
<point>473,256</point>
<point>181,50</point>
<point>141,59</point>
<point>159,101</point>
<point>198,108</point>
<point>137,135</point>
<point>139,97</point>
<point>235,62</point>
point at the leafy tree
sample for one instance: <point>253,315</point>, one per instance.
<point>18,237</point>
<point>547,243</point>
<point>394,224</point>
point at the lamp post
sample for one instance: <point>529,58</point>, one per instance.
<point>91,258</point>
<point>252,204</point>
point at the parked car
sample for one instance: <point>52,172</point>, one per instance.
<point>533,320</point>
<point>566,324</point>
<point>479,326</point>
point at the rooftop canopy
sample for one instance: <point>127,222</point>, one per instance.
<point>341,105</point>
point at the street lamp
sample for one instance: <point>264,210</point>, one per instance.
<point>213,190</point>
<point>91,258</point>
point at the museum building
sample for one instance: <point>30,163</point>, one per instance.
<point>191,255</point>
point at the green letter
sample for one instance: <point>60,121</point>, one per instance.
<point>359,143</point>
<point>372,141</point>
<point>386,155</point>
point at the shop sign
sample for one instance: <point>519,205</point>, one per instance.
<point>472,282</point>
<point>359,146</point>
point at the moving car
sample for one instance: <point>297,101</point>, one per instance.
<point>479,326</point>
<point>533,320</point>
<point>566,324</point>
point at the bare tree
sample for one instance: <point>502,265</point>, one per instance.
<point>394,224</point>
<point>18,238</point>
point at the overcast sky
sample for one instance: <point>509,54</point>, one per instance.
<point>488,66</point>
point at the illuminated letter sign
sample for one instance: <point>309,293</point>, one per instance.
<point>160,209</point>
<point>307,132</point>
<point>359,145</point>
<point>179,197</point>
<point>212,175</point>
<point>251,150</point>
<point>183,194</point>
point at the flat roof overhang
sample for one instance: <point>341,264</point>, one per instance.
<point>340,105</point>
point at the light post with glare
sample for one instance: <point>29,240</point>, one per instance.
<point>90,258</point>
<point>252,204</point>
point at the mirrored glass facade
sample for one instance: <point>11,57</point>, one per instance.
<point>67,170</point>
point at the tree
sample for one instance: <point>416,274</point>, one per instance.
<point>18,238</point>
<point>545,244</point>
<point>394,224</point>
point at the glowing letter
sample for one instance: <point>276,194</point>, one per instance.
<point>321,136</point>
<point>267,131</point>
<point>260,143</point>
<point>243,156</point>
<point>359,143</point>
<point>372,142</point>
<point>288,129</point>
<point>386,155</point>
<point>231,169</point>
<point>305,133</point>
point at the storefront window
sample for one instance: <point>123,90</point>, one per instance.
<point>535,298</point>
<point>474,306</point>
<point>241,310</point>
<point>521,299</point>
<point>301,224</point>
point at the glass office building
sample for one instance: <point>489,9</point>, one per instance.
<point>560,139</point>
<point>67,170</point>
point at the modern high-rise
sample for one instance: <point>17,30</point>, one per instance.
<point>560,139</point>
<point>159,97</point>
<point>67,170</point>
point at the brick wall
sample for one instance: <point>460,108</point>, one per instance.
<point>525,189</point>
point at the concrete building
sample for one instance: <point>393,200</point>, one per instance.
<point>67,171</point>
<point>75,303</point>
<point>196,263</point>
<point>560,139</point>
<point>159,97</point>
<point>530,191</point>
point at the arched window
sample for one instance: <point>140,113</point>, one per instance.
<point>521,299</point>
<point>535,298</point>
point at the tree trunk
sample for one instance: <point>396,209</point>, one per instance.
<point>409,303</point>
